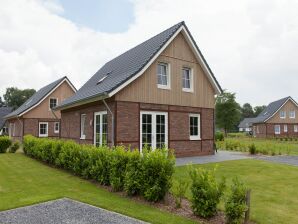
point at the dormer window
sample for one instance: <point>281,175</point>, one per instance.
<point>282,114</point>
<point>187,82</point>
<point>163,76</point>
<point>53,102</point>
<point>292,114</point>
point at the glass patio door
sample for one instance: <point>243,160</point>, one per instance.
<point>100,128</point>
<point>153,129</point>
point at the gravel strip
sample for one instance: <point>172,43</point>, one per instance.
<point>64,211</point>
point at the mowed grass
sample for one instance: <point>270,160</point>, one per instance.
<point>24,181</point>
<point>274,197</point>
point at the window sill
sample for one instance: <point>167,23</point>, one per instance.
<point>43,136</point>
<point>83,137</point>
<point>163,87</point>
<point>187,90</point>
<point>56,132</point>
<point>194,138</point>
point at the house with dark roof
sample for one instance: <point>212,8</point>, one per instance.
<point>246,125</point>
<point>3,124</point>
<point>278,119</point>
<point>36,116</point>
<point>160,93</point>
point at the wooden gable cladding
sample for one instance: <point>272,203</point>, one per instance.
<point>289,106</point>
<point>178,55</point>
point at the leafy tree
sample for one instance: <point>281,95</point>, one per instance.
<point>227,111</point>
<point>15,97</point>
<point>2,103</point>
<point>258,110</point>
<point>247,110</point>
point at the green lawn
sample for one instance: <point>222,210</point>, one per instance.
<point>24,181</point>
<point>274,187</point>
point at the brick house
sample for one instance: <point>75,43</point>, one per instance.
<point>36,116</point>
<point>278,119</point>
<point>3,124</point>
<point>159,93</point>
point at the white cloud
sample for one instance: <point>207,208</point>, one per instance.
<point>250,45</point>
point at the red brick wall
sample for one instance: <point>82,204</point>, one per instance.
<point>267,130</point>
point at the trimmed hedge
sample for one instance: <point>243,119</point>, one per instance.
<point>5,143</point>
<point>149,175</point>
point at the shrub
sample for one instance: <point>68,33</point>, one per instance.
<point>235,203</point>
<point>5,142</point>
<point>178,190</point>
<point>219,136</point>
<point>14,147</point>
<point>158,168</point>
<point>206,191</point>
<point>252,149</point>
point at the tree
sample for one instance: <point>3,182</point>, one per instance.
<point>258,110</point>
<point>227,111</point>
<point>247,110</point>
<point>15,97</point>
<point>2,104</point>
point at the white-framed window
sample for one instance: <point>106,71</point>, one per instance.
<point>83,121</point>
<point>285,128</point>
<point>43,129</point>
<point>163,75</point>
<point>100,128</point>
<point>194,127</point>
<point>53,102</point>
<point>187,79</point>
<point>12,129</point>
<point>277,129</point>
<point>56,127</point>
<point>282,114</point>
<point>292,114</point>
<point>295,128</point>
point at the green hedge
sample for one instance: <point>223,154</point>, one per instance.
<point>5,143</point>
<point>149,175</point>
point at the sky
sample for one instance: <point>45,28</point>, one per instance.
<point>250,45</point>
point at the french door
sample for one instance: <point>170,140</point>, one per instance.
<point>153,129</point>
<point>100,128</point>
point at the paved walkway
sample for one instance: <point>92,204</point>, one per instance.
<point>290,160</point>
<point>220,156</point>
<point>63,211</point>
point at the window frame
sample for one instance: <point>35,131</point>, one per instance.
<point>295,128</point>
<point>47,129</point>
<point>198,136</point>
<point>285,128</point>
<point>100,113</point>
<point>285,114</point>
<point>82,126</point>
<point>275,132</point>
<point>168,75</point>
<point>294,112</point>
<point>55,130</point>
<point>53,98</point>
<point>190,89</point>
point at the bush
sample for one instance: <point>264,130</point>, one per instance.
<point>5,142</point>
<point>206,191</point>
<point>14,147</point>
<point>178,190</point>
<point>219,136</point>
<point>235,203</point>
<point>252,149</point>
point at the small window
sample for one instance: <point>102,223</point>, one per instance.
<point>53,102</point>
<point>258,130</point>
<point>292,114</point>
<point>56,127</point>
<point>277,129</point>
<point>194,126</point>
<point>43,129</point>
<point>282,114</point>
<point>187,83</point>
<point>163,77</point>
<point>285,128</point>
<point>83,120</point>
<point>295,128</point>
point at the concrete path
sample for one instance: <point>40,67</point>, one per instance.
<point>220,156</point>
<point>63,211</point>
<point>290,160</point>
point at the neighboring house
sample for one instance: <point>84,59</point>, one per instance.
<point>159,93</point>
<point>3,125</point>
<point>278,119</point>
<point>35,116</point>
<point>246,125</point>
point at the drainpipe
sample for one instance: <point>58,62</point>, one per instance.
<point>112,120</point>
<point>22,129</point>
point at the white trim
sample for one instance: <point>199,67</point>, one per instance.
<point>30,108</point>
<point>168,75</point>
<point>277,126</point>
<point>153,130</point>
<point>201,61</point>
<point>82,136</point>
<point>55,130</point>
<point>191,81</point>
<point>57,101</point>
<point>285,128</point>
<point>100,128</point>
<point>284,114</point>
<point>195,137</point>
<point>294,113</point>
<point>295,128</point>
<point>47,129</point>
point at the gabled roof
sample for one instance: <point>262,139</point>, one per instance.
<point>122,70</point>
<point>38,97</point>
<point>246,122</point>
<point>3,112</point>
<point>272,109</point>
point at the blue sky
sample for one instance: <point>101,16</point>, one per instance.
<point>113,16</point>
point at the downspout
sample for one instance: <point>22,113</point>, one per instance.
<point>113,130</point>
